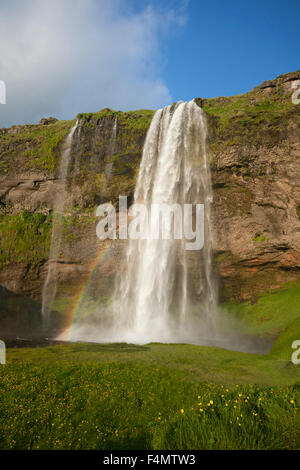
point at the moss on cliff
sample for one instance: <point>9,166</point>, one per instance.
<point>259,117</point>
<point>32,146</point>
<point>272,312</point>
<point>130,119</point>
<point>108,168</point>
<point>25,237</point>
<point>75,224</point>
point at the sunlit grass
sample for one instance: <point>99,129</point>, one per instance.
<point>89,405</point>
<point>157,396</point>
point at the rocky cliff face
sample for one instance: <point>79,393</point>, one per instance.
<point>254,149</point>
<point>255,153</point>
<point>101,168</point>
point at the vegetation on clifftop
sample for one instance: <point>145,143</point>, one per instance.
<point>129,119</point>
<point>32,147</point>
<point>258,117</point>
<point>37,147</point>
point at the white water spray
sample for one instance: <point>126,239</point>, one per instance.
<point>50,285</point>
<point>167,293</point>
<point>152,300</point>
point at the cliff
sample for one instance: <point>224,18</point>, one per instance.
<point>254,150</point>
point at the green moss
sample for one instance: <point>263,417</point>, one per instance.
<point>246,110</point>
<point>272,313</point>
<point>33,147</point>
<point>125,159</point>
<point>227,257</point>
<point>75,224</point>
<point>128,120</point>
<point>250,118</point>
<point>25,237</point>
<point>62,304</point>
<point>260,238</point>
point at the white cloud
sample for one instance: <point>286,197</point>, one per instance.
<point>67,56</point>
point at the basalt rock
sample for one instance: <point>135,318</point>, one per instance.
<point>254,150</point>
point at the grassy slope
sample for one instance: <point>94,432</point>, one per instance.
<point>275,314</point>
<point>156,396</point>
<point>106,405</point>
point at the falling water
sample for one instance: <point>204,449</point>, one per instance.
<point>164,292</point>
<point>50,285</point>
<point>154,298</point>
<point>111,151</point>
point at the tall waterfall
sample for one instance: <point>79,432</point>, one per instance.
<point>49,289</point>
<point>163,292</point>
<point>155,298</point>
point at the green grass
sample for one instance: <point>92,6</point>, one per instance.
<point>159,396</point>
<point>247,109</point>
<point>116,396</point>
<point>234,418</point>
<point>85,405</point>
<point>272,314</point>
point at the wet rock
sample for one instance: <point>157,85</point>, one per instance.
<point>255,212</point>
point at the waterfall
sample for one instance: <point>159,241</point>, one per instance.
<point>50,285</point>
<point>155,299</point>
<point>163,292</point>
<point>111,150</point>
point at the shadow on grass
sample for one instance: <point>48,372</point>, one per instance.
<point>110,347</point>
<point>139,442</point>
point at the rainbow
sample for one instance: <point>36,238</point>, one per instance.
<point>73,311</point>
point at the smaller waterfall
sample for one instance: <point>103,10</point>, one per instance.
<point>111,150</point>
<point>50,285</point>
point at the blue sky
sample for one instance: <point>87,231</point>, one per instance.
<point>69,56</point>
<point>230,46</point>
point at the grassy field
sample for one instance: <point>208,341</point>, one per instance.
<point>158,396</point>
